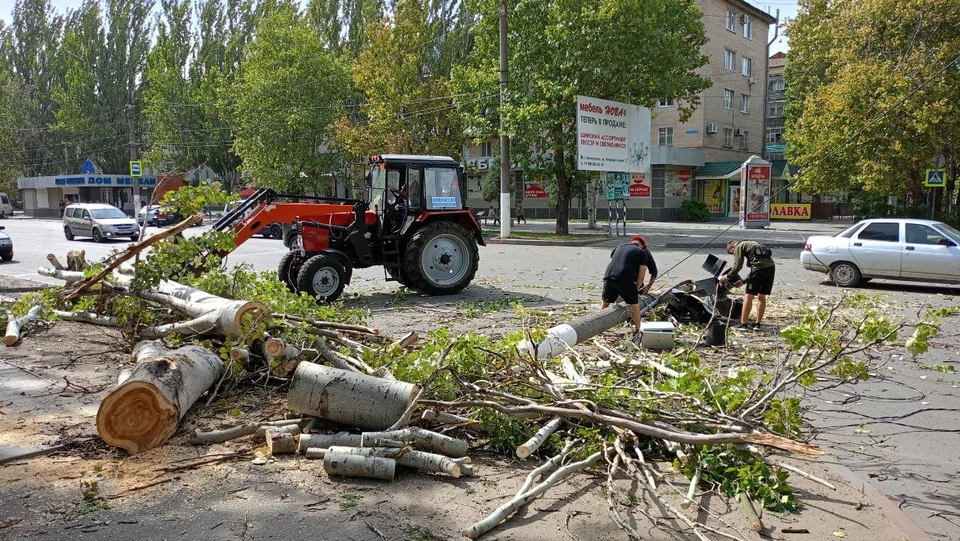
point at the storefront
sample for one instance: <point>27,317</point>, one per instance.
<point>42,195</point>
<point>719,186</point>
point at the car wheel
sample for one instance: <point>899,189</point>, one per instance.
<point>67,233</point>
<point>845,274</point>
<point>97,236</point>
<point>135,238</point>
<point>276,232</point>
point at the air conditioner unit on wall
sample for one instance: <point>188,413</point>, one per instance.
<point>751,80</point>
<point>711,128</point>
<point>738,132</point>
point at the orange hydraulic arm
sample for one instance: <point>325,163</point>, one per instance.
<point>261,208</point>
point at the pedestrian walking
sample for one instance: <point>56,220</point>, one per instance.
<point>759,282</point>
<point>624,278</point>
<point>63,207</point>
<point>520,217</point>
<point>492,214</point>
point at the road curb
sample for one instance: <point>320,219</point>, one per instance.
<point>723,246</point>
<point>548,242</point>
<point>910,529</point>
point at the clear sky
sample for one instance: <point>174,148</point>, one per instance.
<point>788,9</point>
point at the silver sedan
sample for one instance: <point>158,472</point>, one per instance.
<point>896,249</point>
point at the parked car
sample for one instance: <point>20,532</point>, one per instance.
<point>6,245</point>
<point>6,207</point>
<point>895,249</point>
<point>98,221</point>
<point>158,216</point>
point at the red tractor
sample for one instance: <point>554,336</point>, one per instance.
<point>413,222</point>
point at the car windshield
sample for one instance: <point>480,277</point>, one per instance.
<point>951,232</point>
<point>107,214</point>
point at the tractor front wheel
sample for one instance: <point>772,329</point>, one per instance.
<point>323,277</point>
<point>441,258</point>
<point>288,271</point>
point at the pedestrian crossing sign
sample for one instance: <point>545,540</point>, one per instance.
<point>135,169</point>
<point>935,178</point>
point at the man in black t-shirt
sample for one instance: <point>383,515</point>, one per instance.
<point>624,277</point>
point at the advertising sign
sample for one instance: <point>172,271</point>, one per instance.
<point>638,185</point>
<point>677,183</point>
<point>618,186</point>
<point>790,211</point>
<point>534,190</point>
<point>612,136</point>
<point>713,195</point>
<point>755,193</point>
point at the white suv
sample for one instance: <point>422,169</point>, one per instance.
<point>99,221</point>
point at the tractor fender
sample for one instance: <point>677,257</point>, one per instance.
<point>343,259</point>
<point>464,218</point>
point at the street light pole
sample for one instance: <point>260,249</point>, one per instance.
<point>505,180</point>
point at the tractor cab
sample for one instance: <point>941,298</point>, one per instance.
<point>404,187</point>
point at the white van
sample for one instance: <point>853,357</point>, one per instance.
<point>6,207</point>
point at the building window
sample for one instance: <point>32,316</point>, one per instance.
<point>731,21</point>
<point>728,137</point>
<point>666,102</point>
<point>744,137</point>
<point>486,149</point>
<point>729,60</point>
<point>774,135</point>
<point>744,103</point>
<point>746,66</point>
<point>666,137</point>
<point>775,109</point>
<point>727,99</point>
<point>778,85</point>
<point>747,27</point>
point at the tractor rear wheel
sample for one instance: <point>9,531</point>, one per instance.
<point>441,258</point>
<point>323,277</point>
<point>288,271</point>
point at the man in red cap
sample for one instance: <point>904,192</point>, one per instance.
<point>624,277</point>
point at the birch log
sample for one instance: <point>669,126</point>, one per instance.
<point>16,325</point>
<point>347,397</point>
<point>427,462</point>
<point>419,438</point>
<point>530,446</point>
<point>220,436</point>
<point>61,274</point>
<point>210,312</point>
<point>280,443</point>
<point>312,441</point>
<point>143,412</point>
<point>372,467</point>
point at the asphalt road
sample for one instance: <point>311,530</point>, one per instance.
<point>900,430</point>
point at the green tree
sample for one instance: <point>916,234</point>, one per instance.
<point>408,107</point>
<point>12,112</point>
<point>288,95</point>
<point>621,50</point>
<point>891,56</point>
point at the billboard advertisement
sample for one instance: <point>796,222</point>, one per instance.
<point>639,187</point>
<point>790,211</point>
<point>612,136</point>
<point>755,177</point>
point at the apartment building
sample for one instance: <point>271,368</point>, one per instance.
<point>776,101</point>
<point>699,158</point>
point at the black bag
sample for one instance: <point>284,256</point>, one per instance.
<point>760,252</point>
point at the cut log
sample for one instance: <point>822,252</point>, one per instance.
<point>310,441</point>
<point>405,341</point>
<point>240,354</point>
<point>143,412</point>
<point>371,467</point>
<point>76,260</point>
<point>530,446</point>
<point>15,325</point>
<point>426,462</point>
<point>61,274</point>
<point>211,313</point>
<point>86,317</point>
<point>349,398</point>
<point>283,355</point>
<point>418,438</point>
<point>280,443</point>
<point>261,434</point>
<point>220,436</point>
<point>52,258</point>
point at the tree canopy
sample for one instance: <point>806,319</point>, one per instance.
<point>874,105</point>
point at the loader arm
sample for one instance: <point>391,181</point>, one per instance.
<point>267,206</point>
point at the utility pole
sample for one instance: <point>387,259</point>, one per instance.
<point>505,180</point>
<point>134,153</point>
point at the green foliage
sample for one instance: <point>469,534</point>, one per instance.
<point>784,417</point>
<point>694,210</point>
<point>91,501</point>
<point>190,200</point>
<point>736,472</point>
<point>349,501</point>
<point>178,258</point>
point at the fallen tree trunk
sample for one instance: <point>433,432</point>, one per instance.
<point>371,467</point>
<point>86,317</point>
<point>347,397</point>
<point>15,325</point>
<point>143,412</point>
<point>210,312</point>
<point>420,439</point>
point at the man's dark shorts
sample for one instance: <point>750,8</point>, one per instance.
<point>626,290</point>
<point>761,281</point>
